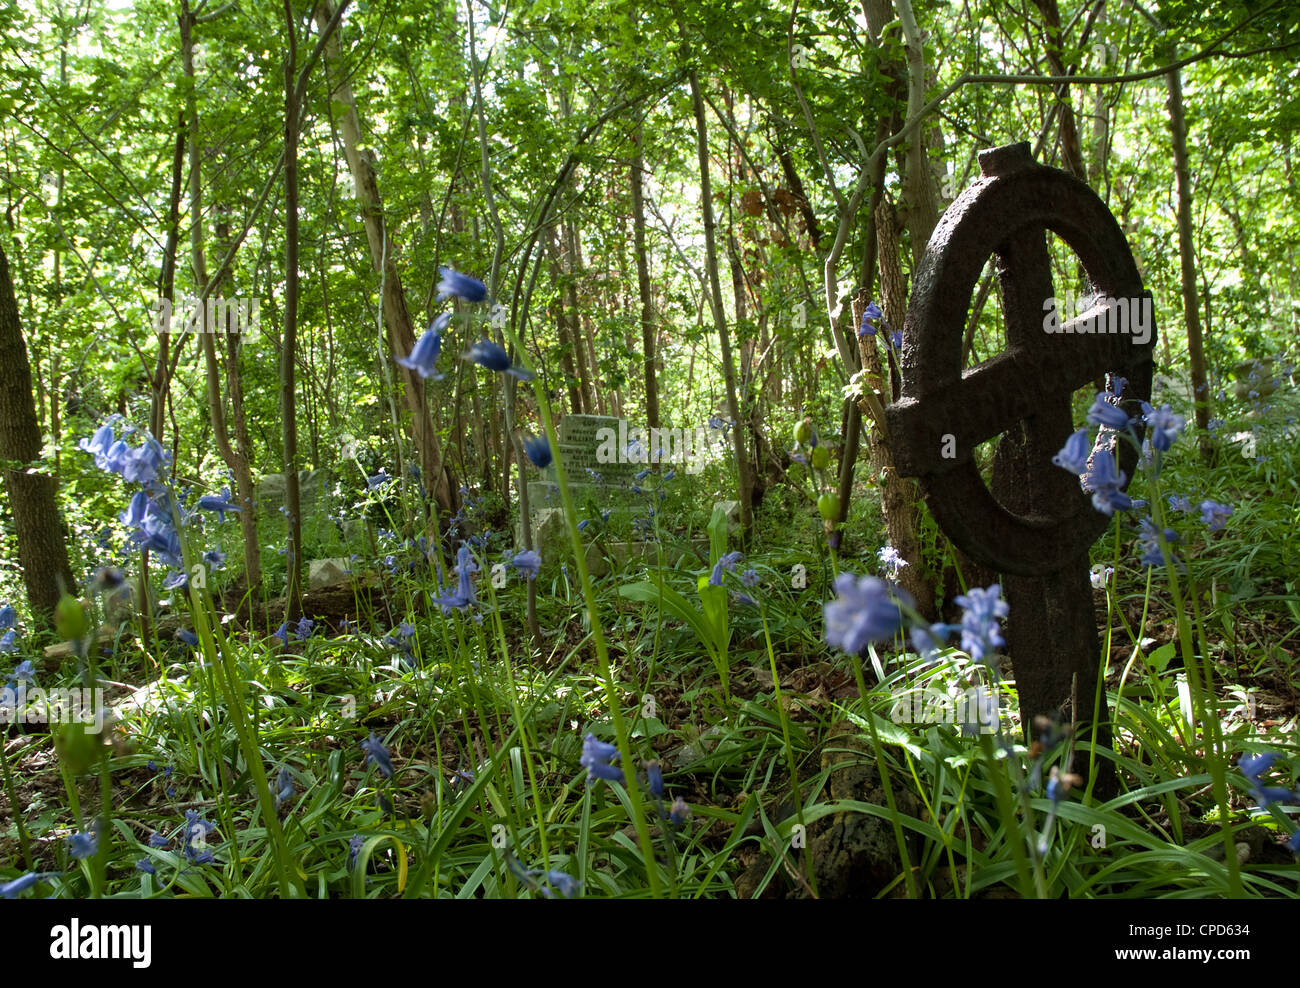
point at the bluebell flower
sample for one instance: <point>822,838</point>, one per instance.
<point>1150,543</point>
<point>1074,454</point>
<point>891,560</point>
<point>303,629</point>
<point>354,848</point>
<point>460,285</point>
<point>158,840</point>
<point>377,755</point>
<point>83,845</point>
<point>528,563</point>
<point>598,758</point>
<point>99,444</point>
<point>927,641</point>
<point>465,567</point>
<point>582,525</point>
<point>871,312</point>
<point>1180,503</point>
<point>1163,425</point>
<point>219,503</point>
<point>867,609</point>
<point>1294,842</point>
<point>981,610</point>
<point>12,888</point>
<point>493,357</point>
<point>424,355</point>
<point>145,865</point>
<point>896,338</point>
<point>538,450</point>
<point>176,579</point>
<point>669,475</point>
<point>563,883</point>
<point>1103,413</point>
<point>1105,482</point>
<point>727,562</point>
<point>1252,767</point>
<point>1099,575</point>
<point>283,787</point>
<point>9,642</point>
<point>743,598</point>
<point>282,633</point>
<point>642,474</point>
<point>378,480</point>
<point>187,636</point>
<point>195,839</point>
<point>144,464</point>
<point>679,812</point>
<point>749,578</point>
<point>8,616</point>
<point>715,422</point>
<point>654,778</point>
<point>214,559</point>
<point>1215,515</point>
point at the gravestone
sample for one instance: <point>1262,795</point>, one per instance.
<point>1035,525</point>
<point>318,530</point>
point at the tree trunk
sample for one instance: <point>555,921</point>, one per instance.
<point>42,548</point>
<point>439,478</point>
<point>719,314</point>
<point>1187,257</point>
<point>289,344</point>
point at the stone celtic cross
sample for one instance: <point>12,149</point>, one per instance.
<point>1033,523</point>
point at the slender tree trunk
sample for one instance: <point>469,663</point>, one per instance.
<point>42,547</point>
<point>719,314</point>
<point>439,478</point>
<point>289,342</point>
<point>572,265</point>
<point>1187,258</point>
<point>567,343</point>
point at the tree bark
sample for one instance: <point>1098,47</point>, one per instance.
<point>289,343</point>
<point>1187,257</point>
<point>439,478</point>
<point>719,314</point>
<point>42,546</point>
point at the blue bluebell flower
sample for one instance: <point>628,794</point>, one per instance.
<point>563,883</point>
<point>1179,503</point>
<point>158,840</point>
<point>219,503</point>
<point>896,339</point>
<point>598,758</point>
<point>749,578</point>
<point>83,845</point>
<point>424,355</point>
<point>1074,454</point>
<point>283,787</point>
<point>8,616</point>
<point>282,633</point>
<point>669,475</point>
<point>176,579</point>
<point>303,628</point>
<point>377,755</point>
<point>1150,542</point>
<point>187,636</point>
<point>892,561</point>
<point>145,865</point>
<point>981,634</point>
<point>654,778</point>
<point>1215,515</point>
<point>727,562</point>
<point>378,480</point>
<point>1162,424</point>
<point>214,559</point>
<point>460,285</point>
<point>195,840</point>
<point>870,313</point>
<point>528,563</point>
<point>494,357</point>
<point>354,848</point>
<point>928,641</point>
<point>1105,481</point>
<point>9,642</point>
<point>538,450</point>
<point>1105,414</point>
<point>866,609</point>
<point>679,812</point>
<point>12,888</point>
